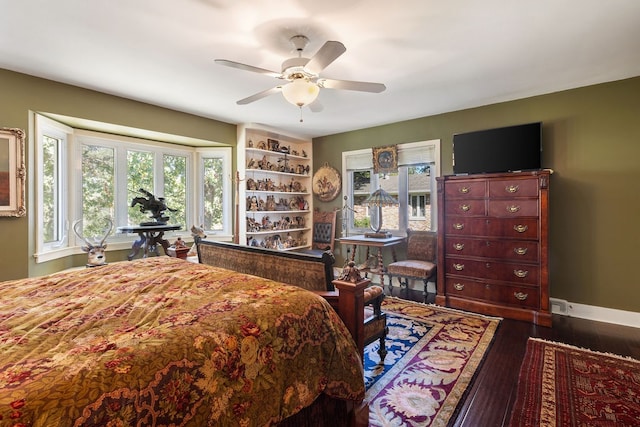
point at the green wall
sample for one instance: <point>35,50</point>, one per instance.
<point>22,94</point>
<point>591,139</point>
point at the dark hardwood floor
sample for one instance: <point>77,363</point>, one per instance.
<point>490,397</point>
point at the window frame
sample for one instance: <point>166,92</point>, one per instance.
<point>409,154</point>
<point>223,153</point>
<point>71,171</point>
<point>64,134</point>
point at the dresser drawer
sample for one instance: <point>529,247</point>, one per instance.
<point>517,250</point>
<point>466,207</point>
<point>511,228</point>
<point>516,228</point>
<point>513,208</point>
<point>493,270</point>
<point>475,189</point>
<point>509,188</point>
<point>503,294</point>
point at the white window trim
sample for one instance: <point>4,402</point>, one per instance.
<point>227,209</point>
<point>72,187</point>
<point>408,154</point>
<point>43,251</point>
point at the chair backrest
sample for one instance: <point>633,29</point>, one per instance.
<point>324,230</point>
<point>422,245</point>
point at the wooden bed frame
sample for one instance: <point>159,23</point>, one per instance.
<point>309,271</point>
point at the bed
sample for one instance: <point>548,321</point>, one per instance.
<point>162,341</point>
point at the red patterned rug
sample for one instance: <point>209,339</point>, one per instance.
<point>562,385</point>
<point>433,353</point>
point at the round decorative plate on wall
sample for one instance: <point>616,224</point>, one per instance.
<point>326,183</point>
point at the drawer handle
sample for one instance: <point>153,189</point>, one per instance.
<point>520,296</point>
<point>520,228</point>
<point>464,190</point>
<point>520,251</point>
<point>513,208</point>
<point>521,273</point>
<point>458,286</point>
<point>458,226</point>
<point>465,208</point>
<point>458,267</point>
<point>458,246</point>
<point>511,188</point>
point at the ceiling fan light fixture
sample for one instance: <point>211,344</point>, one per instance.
<point>300,92</point>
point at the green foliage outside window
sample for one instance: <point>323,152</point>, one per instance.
<point>49,189</point>
<point>213,196</point>
<point>98,193</point>
<point>175,188</point>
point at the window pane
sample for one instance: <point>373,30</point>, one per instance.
<point>50,187</point>
<point>98,193</point>
<point>175,188</point>
<point>213,200</point>
<point>361,190</point>
<point>419,192</point>
<point>139,176</point>
<point>390,214</point>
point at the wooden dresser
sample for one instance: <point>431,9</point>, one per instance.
<point>493,244</point>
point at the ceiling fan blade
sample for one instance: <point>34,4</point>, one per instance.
<point>246,67</point>
<point>328,53</point>
<point>351,85</point>
<point>259,95</point>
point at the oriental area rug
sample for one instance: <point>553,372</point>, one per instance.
<point>563,385</point>
<point>433,353</point>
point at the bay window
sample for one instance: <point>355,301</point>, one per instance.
<point>91,176</point>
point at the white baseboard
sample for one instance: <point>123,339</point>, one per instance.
<point>601,314</point>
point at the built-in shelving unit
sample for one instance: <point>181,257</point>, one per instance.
<point>275,201</point>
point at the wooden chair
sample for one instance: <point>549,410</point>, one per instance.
<point>373,318</point>
<point>324,231</point>
<point>420,263</point>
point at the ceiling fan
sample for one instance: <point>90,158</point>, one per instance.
<point>302,75</point>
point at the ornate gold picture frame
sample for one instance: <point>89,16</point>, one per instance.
<point>12,172</point>
<point>385,159</point>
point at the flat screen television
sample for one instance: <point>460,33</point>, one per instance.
<point>506,149</point>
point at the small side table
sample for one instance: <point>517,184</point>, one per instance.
<point>371,242</point>
<point>150,237</point>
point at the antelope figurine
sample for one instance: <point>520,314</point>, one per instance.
<point>95,250</point>
<point>198,234</point>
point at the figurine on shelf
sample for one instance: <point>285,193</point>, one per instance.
<point>253,204</point>
<point>271,203</point>
<point>273,144</point>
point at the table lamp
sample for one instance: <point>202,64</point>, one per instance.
<point>379,198</point>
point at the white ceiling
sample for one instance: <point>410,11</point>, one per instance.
<point>434,56</point>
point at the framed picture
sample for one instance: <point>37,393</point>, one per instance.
<point>12,172</point>
<point>385,159</point>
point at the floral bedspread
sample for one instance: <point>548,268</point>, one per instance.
<point>162,341</point>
